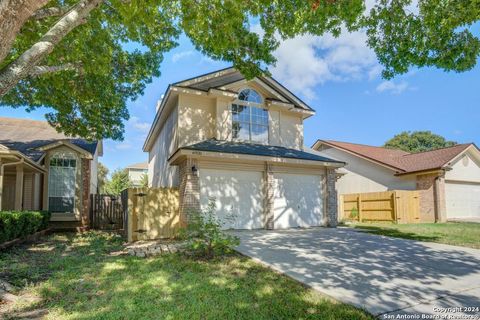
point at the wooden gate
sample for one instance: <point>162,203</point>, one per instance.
<point>107,212</point>
<point>399,206</point>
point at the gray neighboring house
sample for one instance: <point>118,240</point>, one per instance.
<point>41,169</point>
<point>447,179</point>
<point>136,172</point>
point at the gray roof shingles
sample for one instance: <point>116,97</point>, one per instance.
<point>26,136</point>
<point>235,147</point>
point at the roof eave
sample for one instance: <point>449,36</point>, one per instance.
<point>195,153</point>
<point>319,142</point>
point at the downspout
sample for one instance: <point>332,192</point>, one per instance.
<point>2,170</point>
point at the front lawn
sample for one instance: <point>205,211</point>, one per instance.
<point>455,233</point>
<point>81,277</point>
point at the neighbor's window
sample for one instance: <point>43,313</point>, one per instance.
<point>249,119</point>
<point>61,183</point>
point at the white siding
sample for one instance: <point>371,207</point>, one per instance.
<point>136,175</point>
<point>466,168</point>
<point>365,176</point>
<point>160,173</point>
<point>291,131</point>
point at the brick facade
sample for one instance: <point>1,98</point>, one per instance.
<point>432,197</point>
<point>189,188</point>
<point>332,201</point>
<point>85,201</point>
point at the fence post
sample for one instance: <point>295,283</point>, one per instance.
<point>359,200</point>
<point>395,207</point>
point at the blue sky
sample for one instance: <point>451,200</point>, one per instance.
<point>340,79</point>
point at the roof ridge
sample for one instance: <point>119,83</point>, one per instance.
<point>443,148</point>
<point>364,145</point>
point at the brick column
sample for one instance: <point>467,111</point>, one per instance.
<point>189,189</point>
<point>440,202</point>
<point>269,194</point>
<point>85,209</point>
<point>332,202</point>
<point>432,197</point>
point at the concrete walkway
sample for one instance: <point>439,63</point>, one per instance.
<point>383,275</point>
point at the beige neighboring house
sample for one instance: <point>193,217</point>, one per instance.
<point>41,169</point>
<point>448,179</point>
<point>241,142</point>
<point>136,172</point>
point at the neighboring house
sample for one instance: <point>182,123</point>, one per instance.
<point>136,172</point>
<point>448,178</point>
<point>41,169</point>
<point>241,142</point>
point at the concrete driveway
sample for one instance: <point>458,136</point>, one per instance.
<point>383,275</point>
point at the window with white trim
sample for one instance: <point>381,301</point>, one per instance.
<point>61,183</point>
<point>249,118</point>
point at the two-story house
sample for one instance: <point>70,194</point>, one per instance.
<point>240,142</point>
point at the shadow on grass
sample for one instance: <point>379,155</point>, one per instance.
<point>77,278</point>
<point>391,232</point>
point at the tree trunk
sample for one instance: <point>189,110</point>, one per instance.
<point>25,63</point>
<point>13,15</point>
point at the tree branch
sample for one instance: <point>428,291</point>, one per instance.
<point>49,12</point>
<point>24,64</point>
<point>40,70</point>
<point>13,15</point>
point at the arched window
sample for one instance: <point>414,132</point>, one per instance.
<point>249,118</point>
<point>61,182</point>
<point>250,95</point>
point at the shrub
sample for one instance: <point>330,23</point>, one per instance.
<point>204,234</point>
<point>18,224</point>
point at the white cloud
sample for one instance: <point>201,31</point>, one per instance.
<point>138,125</point>
<point>125,145</point>
<point>393,87</point>
<point>180,55</point>
<point>307,61</point>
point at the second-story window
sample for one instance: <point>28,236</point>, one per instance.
<point>249,118</point>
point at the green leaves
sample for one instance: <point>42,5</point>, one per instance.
<point>418,141</point>
<point>119,182</point>
<point>437,35</point>
<point>119,49</point>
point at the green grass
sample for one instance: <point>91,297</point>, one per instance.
<point>77,277</point>
<point>455,233</point>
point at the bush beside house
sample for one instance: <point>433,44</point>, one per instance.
<point>19,224</point>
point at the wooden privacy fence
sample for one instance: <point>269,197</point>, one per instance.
<point>106,212</point>
<point>152,213</point>
<point>399,206</point>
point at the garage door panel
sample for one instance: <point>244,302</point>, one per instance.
<point>298,201</point>
<point>462,200</point>
<point>237,194</point>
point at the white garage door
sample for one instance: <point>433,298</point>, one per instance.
<point>237,194</point>
<point>298,201</point>
<point>462,200</point>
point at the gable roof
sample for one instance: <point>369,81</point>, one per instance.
<point>223,77</point>
<point>400,161</point>
<point>235,147</point>
<point>140,165</point>
<point>29,136</point>
<point>214,83</point>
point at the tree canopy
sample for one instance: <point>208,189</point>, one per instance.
<point>418,141</point>
<point>85,59</point>
<point>118,182</point>
<point>102,173</point>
